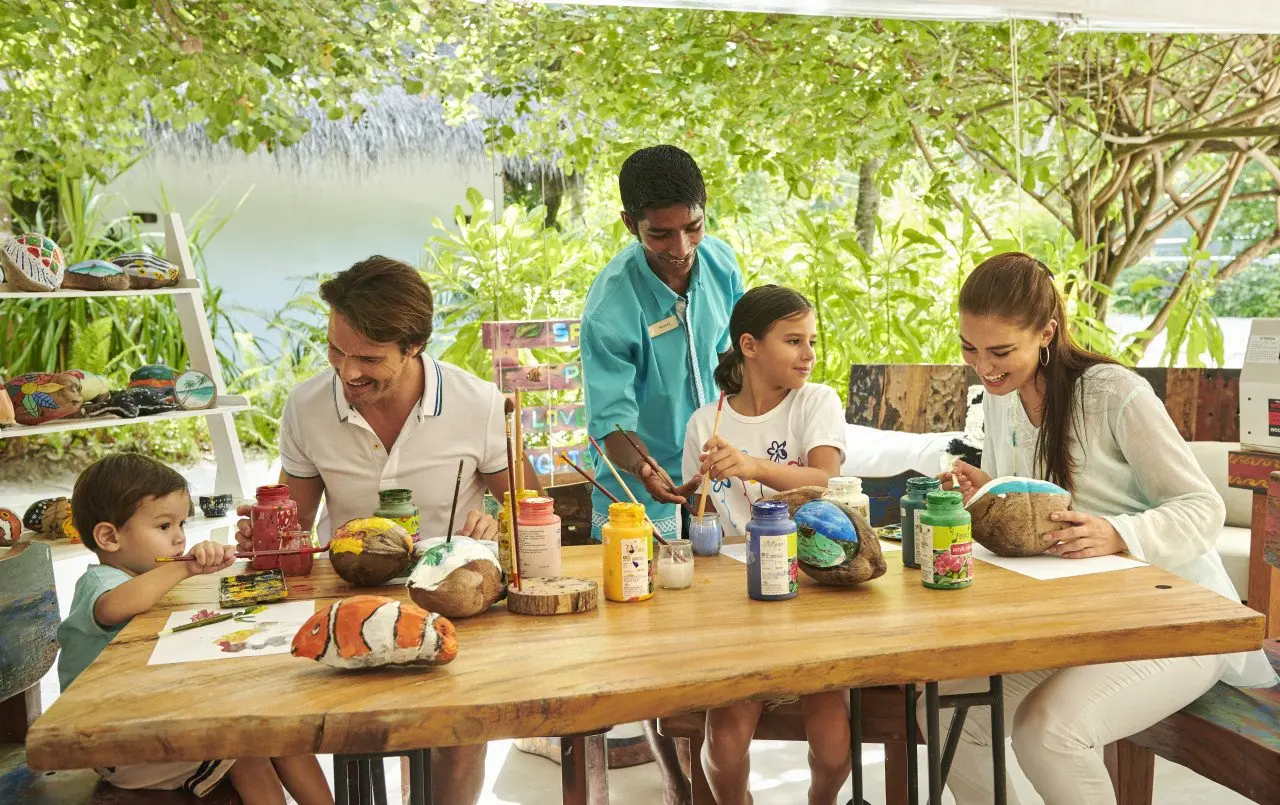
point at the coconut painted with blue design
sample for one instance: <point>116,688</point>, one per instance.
<point>1011,515</point>
<point>835,544</point>
<point>95,275</point>
<point>458,579</point>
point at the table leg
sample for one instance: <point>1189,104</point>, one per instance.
<point>931,739</point>
<point>997,737</point>
<point>420,777</point>
<point>953,740</point>
<point>855,742</point>
<point>369,784</point>
<point>342,794</point>
<point>913,770</point>
<point>366,781</point>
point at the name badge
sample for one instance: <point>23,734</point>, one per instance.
<point>664,326</point>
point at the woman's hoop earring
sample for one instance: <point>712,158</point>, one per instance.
<point>1044,356</point>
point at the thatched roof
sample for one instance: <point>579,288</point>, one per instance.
<point>396,128</point>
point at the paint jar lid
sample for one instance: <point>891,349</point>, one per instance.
<point>626,514</point>
<point>769,510</point>
<point>536,505</point>
<point>845,484</point>
<point>395,496</point>
<point>948,499</point>
<point>923,484</point>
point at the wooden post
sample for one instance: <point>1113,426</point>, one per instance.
<point>1133,770</point>
<point>1257,471</point>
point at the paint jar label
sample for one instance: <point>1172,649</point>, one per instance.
<point>539,550</point>
<point>636,558</point>
<point>504,545</point>
<point>411,524</point>
<point>779,568</point>
<point>945,554</point>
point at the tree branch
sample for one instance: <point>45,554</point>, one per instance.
<point>1131,144</point>
<point>993,165</point>
<point>928,158</point>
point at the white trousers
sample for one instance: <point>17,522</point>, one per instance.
<point>1060,720</point>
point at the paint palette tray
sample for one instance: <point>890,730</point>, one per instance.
<point>263,587</point>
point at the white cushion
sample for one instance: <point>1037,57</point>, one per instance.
<point>1233,547</point>
<point>874,453</point>
<point>1212,458</point>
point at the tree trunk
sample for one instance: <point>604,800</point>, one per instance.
<point>868,204</point>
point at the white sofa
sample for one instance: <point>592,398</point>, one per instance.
<point>1233,540</point>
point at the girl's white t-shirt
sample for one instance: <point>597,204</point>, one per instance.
<point>808,417</point>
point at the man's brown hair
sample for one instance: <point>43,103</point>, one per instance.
<point>111,489</point>
<point>385,300</point>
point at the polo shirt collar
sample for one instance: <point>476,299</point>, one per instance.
<point>663,296</point>
<point>431,404</point>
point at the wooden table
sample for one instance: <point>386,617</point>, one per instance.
<point>685,650</point>
<point>1251,470</point>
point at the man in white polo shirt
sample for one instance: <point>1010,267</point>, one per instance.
<point>388,416</point>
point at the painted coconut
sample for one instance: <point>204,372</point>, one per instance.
<point>835,544</point>
<point>92,387</point>
<point>6,409</point>
<point>194,391</point>
<point>10,527</point>
<point>32,262</point>
<point>370,551</point>
<point>369,631</point>
<point>147,271</point>
<point>1011,515</point>
<point>95,275</point>
<point>458,579</point>
<point>56,521</point>
<point>155,376</point>
<point>40,397</point>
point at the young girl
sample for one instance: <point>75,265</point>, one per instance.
<point>1057,412</point>
<point>777,432</point>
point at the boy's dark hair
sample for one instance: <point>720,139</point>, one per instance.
<point>658,177</point>
<point>111,488</point>
<point>384,300</point>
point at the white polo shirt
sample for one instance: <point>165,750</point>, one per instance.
<point>459,417</point>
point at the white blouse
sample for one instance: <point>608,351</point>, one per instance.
<point>1133,469</point>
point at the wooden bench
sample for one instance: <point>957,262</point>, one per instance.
<point>883,721</point>
<point>1229,735</point>
<point>28,647</point>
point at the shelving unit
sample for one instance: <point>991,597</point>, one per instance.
<point>188,298</point>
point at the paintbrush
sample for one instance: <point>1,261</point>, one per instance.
<point>643,454</point>
<point>622,484</point>
<point>183,627</point>
<point>453,508</point>
<point>609,494</point>
<point>508,407</point>
<point>706,481</point>
<point>518,431</point>
<point>247,554</point>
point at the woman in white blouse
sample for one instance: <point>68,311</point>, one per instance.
<point>1057,412</point>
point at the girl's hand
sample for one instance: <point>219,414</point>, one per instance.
<point>210,557</point>
<point>722,460</point>
<point>1085,536</point>
<point>964,477</point>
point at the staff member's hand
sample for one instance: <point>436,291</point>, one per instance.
<point>244,528</point>
<point>1085,536</point>
<point>965,478</point>
<point>660,486</point>
<point>479,525</point>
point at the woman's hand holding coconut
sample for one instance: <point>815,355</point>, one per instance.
<point>1084,536</point>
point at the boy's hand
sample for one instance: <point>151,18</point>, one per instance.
<point>210,557</point>
<point>722,460</point>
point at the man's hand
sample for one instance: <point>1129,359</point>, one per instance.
<point>479,525</point>
<point>244,528</point>
<point>660,486</point>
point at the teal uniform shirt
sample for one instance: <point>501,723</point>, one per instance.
<point>648,360</point>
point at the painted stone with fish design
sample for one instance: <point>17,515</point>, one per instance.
<point>32,262</point>
<point>835,544</point>
<point>370,551</point>
<point>10,527</point>
<point>1011,515</point>
<point>458,579</point>
<point>370,631</point>
<point>146,271</point>
<point>95,275</point>
<point>40,397</point>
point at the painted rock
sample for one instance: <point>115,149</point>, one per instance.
<point>56,522</point>
<point>194,391</point>
<point>215,505</point>
<point>370,551</point>
<point>458,579</point>
<point>32,262</point>
<point>129,403</point>
<point>95,275</point>
<point>10,527</point>
<point>34,515</point>
<point>40,397</point>
<point>370,631</point>
<point>147,271</point>
<point>1011,515</point>
<point>6,409</point>
<point>92,387</point>
<point>836,545</point>
<point>155,376</point>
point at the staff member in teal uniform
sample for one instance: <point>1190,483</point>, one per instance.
<point>655,323</point>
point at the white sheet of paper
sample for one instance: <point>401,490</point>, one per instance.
<point>269,631</point>
<point>1263,349</point>
<point>736,552</point>
<point>889,546</point>
<point>1045,568</point>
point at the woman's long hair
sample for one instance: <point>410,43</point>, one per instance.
<point>755,313</point>
<point>1019,288</point>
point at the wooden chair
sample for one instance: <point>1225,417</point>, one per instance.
<point>883,721</point>
<point>28,646</point>
<point>1229,735</point>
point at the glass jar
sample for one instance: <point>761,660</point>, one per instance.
<point>272,514</point>
<point>706,534</point>
<point>675,564</point>
<point>397,506</point>
<point>298,564</point>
